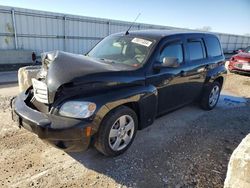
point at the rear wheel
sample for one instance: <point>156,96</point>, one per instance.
<point>210,96</point>
<point>117,131</point>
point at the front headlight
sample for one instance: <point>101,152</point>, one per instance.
<point>77,109</point>
<point>241,61</point>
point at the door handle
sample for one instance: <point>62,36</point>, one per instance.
<point>183,73</point>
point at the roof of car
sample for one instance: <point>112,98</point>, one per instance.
<point>158,34</point>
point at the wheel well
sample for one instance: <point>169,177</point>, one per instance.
<point>134,106</point>
<point>220,80</point>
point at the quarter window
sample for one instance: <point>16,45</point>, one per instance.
<point>213,47</point>
<point>196,50</point>
<point>172,50</point>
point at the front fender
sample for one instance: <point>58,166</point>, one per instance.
<point>143,96</point>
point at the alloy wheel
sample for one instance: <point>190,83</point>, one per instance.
<point>121,132</point>
<point>214,96</point>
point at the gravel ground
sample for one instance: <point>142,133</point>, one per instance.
<point>185,148</point>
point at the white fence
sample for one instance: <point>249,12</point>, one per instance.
<point>44,31</point>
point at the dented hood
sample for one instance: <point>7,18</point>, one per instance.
<point>62,67</point>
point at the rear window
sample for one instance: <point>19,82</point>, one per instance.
<point>213,46</point>
<point>196,50</point>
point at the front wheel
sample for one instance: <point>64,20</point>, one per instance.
<point>117,131</point>
<point>210,96</point>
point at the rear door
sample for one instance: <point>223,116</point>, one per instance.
<point>197,66</point>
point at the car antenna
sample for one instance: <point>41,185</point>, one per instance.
<point>127,32</point>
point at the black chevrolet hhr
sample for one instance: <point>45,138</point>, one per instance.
<point>119,87</point>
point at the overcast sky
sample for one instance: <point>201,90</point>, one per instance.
<point>226,16</point>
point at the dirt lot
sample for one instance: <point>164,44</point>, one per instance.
<point>186,148</point>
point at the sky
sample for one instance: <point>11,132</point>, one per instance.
<point>225,16</point>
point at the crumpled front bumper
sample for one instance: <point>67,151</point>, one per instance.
<point>65,133</point>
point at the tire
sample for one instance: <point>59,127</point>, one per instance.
<point>207,103</point>
<point>118,127</point>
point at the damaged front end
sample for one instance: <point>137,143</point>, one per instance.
<point>65,133</point>
<point>32,107</point>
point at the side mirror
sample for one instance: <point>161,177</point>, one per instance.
<point>170,62</point>
<point>239,51</point>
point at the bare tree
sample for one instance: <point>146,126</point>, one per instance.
<point>205,28</point>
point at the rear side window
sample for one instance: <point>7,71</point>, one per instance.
<point>213,46</point>
<point>172,50</point>
<point>196,50</point>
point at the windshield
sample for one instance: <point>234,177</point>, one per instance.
<point>127,50</point>
<point>247,50</point>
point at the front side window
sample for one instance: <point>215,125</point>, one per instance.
<point>132,51</point>
<point>196,50</point>
<point>172,50</point>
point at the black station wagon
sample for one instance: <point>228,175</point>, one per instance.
<point>120,86</point>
